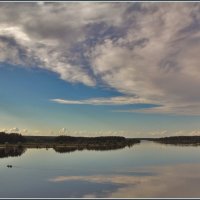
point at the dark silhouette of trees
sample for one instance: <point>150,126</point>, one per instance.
<point>179,140</point>
<point>11,138</point>
<point>64,149</point>
<point>39,139</point>
<point>65,143</point>
<point>109,141</point>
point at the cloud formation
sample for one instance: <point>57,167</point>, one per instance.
<point>12,130</point>
<point>148,50</point>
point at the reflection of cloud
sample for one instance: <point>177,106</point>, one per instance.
<point>89,196</point>
<point>180,180</point>
<point>96,179</point>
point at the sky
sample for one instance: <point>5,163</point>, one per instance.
<point>100,68</point>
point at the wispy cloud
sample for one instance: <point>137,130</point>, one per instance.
<point>104,101</point>
<point>184,110</point>
<point>62,131</point>
<point>14,130</point>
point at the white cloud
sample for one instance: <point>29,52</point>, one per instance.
<point>36,131</point>
<point>14,130</point>
<point>185,110</point>
<point>23,131</point>
<point>104,101</point>
<point>148,50</point>
<point>4,130</point>
<point>162,66</point>
<point>42,35</point>
<point>87,133</point>
<point>159,133</point>
<point>63,131</point>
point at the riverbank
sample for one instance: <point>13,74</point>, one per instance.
<point>101,142</point>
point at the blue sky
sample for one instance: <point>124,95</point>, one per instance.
<point>25,104</point>
<point>115,69</point>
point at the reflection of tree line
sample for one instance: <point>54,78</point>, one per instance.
<point>11,152</point>
<point>15,151</point>
<point>67,149</point>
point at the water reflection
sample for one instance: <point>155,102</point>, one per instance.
<point>147,170</point>
<point>181,180</point>
<point>11,152</point>
<point>14,151</point>
<point>67,149</point>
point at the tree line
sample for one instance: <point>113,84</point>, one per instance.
<point>110,141</point>
<point>101,140</point>
<point>185,140</point>
<point>11,138</point>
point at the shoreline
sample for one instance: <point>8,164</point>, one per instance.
<point>18,140</point>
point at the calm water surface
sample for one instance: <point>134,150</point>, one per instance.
<point>144,170</point>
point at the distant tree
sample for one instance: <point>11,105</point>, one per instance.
<point>96,141</point>
<point>11,138</point>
